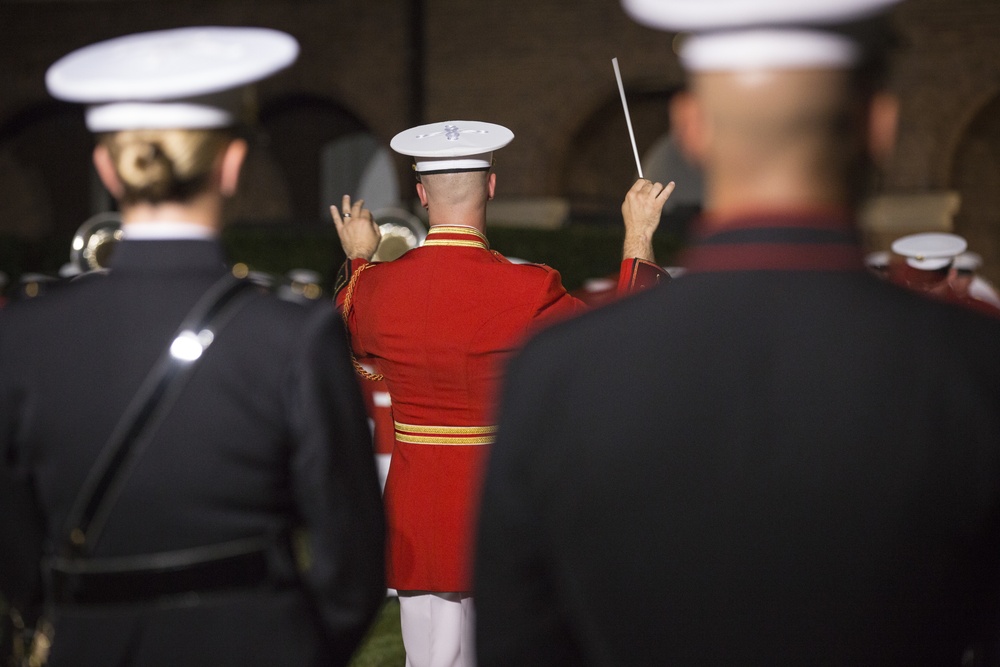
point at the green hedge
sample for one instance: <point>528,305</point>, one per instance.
<point>578,251</point>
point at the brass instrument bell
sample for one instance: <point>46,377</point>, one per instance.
<point>95,240</point>
<point>401,231</point>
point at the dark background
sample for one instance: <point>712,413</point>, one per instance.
<point>371,68</point>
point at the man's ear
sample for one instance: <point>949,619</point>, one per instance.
<point>422,193</point>
<point>492,185</point>
<point>232,163</point>
<point>106,171</point>
<point>687,123</point>
<point>883,121</point>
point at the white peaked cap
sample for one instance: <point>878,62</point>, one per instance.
<point>968,261</point>
<point>878,259</point>
<point>185,78</point>
<point>929,251</point>
<point>304,276</point>
<point>750,34</point>
<point>454,145</point>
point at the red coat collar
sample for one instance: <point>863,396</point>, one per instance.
<point>454,235</point>
<point>780,241</point>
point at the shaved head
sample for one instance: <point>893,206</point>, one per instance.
<point>457,198</point>
<point>468,188</point>
<point>780,135</point>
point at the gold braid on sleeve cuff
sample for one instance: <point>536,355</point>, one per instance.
<point>639,274</point>
<point>345,312</point>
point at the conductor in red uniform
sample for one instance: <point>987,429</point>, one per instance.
<point>439,323</point>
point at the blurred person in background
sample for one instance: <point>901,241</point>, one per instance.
<point>170,434</point>
<point>779,459</point>
<point>929,263</point>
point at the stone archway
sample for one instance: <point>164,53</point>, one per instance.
<point>600,166</point>
<point>47,183</point>
<point>309,140</point>
<point>975,176</point>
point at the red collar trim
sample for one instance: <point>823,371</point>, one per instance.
<point>781,241</point>
<point>818,218</point>
<point>455,235</point>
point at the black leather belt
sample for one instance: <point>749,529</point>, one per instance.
<point>242,564</point>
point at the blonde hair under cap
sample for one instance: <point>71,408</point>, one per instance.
<point>164,165</point>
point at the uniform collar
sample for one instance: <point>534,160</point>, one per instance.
<point>179,256</point>
<point>777,241</point>
<point>166,231</point>
<point>456,236</point>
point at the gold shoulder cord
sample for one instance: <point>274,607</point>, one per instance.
<point>348,304</point>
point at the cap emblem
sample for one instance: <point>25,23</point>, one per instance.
<point>451,133</point>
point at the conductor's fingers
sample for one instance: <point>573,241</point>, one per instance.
<point>335,214</point>
<point>665,193</point>
<point>640,185</point>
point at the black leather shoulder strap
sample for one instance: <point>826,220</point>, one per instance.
<point>150,403</point>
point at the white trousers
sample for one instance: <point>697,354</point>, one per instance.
<point>382,462</point>
<point>438,629</point>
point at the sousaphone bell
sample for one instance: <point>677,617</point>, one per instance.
<point>95,240</point>
<point>401,231</point>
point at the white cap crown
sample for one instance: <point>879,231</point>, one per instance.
<point>454,145</point>
<point>929,251</point>
<point>745,34</point>
<point>183,78</point>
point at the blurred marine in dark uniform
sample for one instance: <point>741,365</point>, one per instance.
<point>167,532</point>
<point>779,459</point>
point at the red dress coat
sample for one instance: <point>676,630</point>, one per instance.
<point>439,323</point>
<point>378,406</point>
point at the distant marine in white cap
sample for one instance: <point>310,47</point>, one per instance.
<point>452,146</point>
<point>937,263</point>
<point>929,251</point>
<point>185,78</point>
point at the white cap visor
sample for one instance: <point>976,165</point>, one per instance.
<point>160,115</point>
<point>929,251</point>
<point>709,15</point>
<point>472,163</point>
<point>767,49</point>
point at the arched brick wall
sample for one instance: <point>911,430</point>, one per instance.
<point>975,175</point>
<point>47,183</point>
<point>599,166</point>
<point>542,68</point>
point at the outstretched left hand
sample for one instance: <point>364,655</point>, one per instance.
<point>359,233</point>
